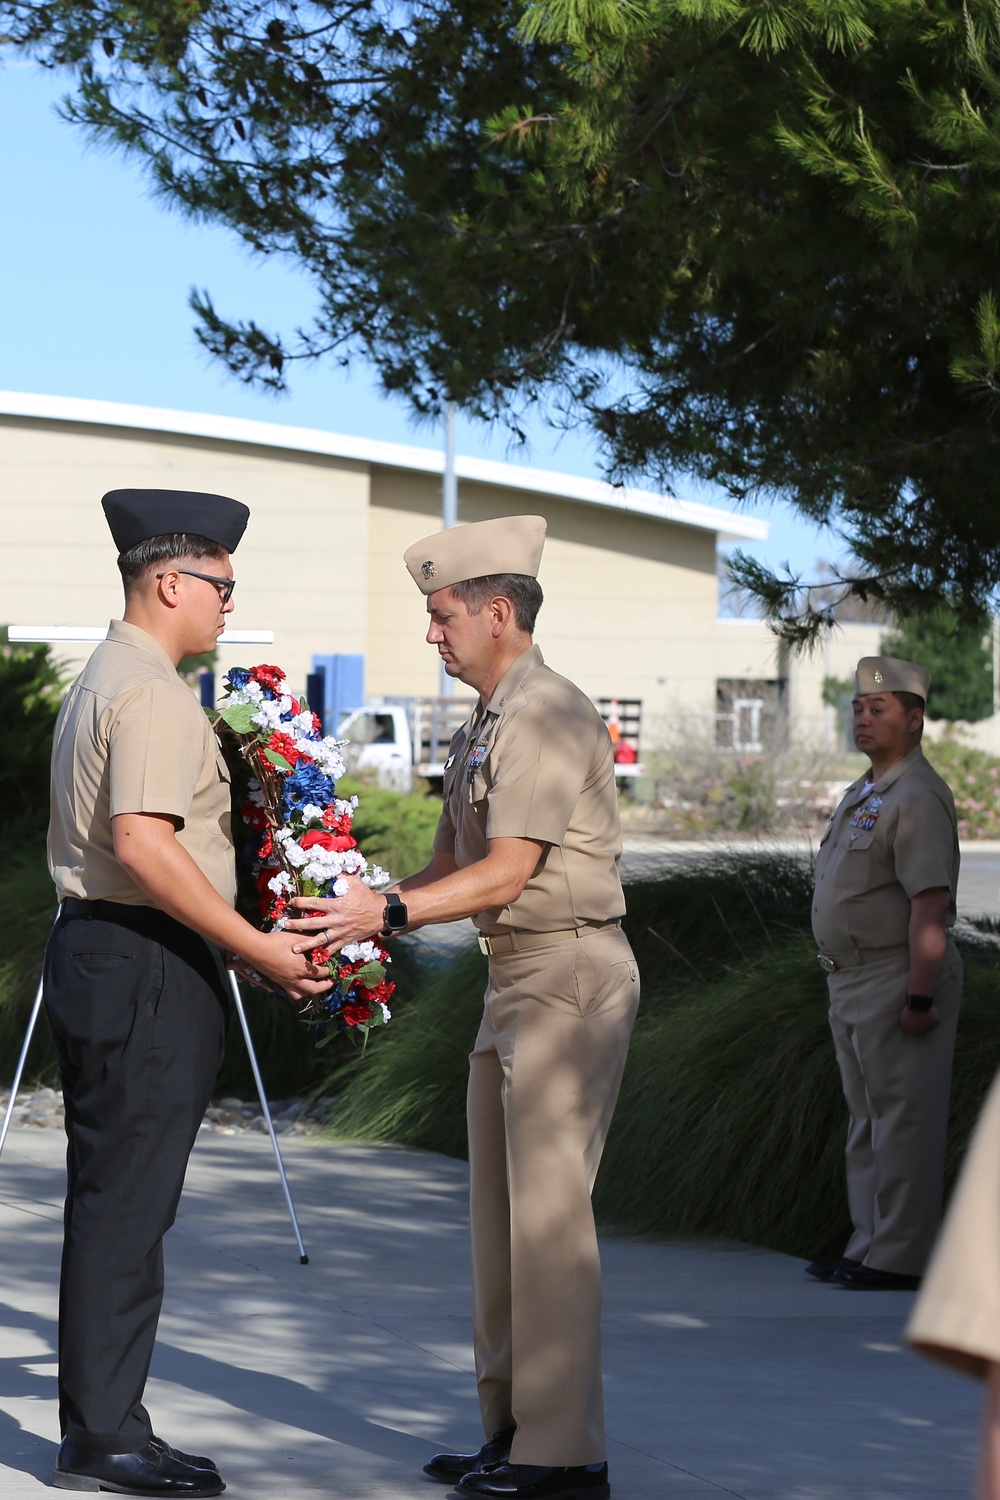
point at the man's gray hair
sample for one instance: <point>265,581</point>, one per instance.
<point>524,593</point>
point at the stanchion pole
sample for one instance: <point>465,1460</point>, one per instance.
<point>20,1064</point>
<point>238,999</point>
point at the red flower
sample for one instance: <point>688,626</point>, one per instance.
<point>341,824</point>
<point>283,744</point>
<point>336,842</point>
<point>319,956</point>
<point>253,816</point>
<point>266,850</point>
<point>357,1014</point>
<point>268,677</point>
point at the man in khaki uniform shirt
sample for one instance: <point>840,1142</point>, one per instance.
<point>884,904</point>
<point>135,985</point>
<point>528,845</point>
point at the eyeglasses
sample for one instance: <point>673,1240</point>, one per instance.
<point>224,585</point>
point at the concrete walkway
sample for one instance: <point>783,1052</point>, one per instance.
<point>728,1372</point>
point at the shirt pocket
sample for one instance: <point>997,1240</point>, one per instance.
<point>852,869</point>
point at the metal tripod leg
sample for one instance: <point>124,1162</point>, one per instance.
<point>33,1021</point>
<point>20,1064</point>
<point>303,1257</point>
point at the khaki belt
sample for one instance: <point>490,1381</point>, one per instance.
<point>518,942</point>
<point>853,958</point>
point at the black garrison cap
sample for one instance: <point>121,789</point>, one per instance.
<point>136,515</point>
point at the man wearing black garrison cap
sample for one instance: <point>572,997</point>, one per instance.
<point>136,993</point>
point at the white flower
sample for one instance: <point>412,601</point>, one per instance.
<point>326,754</point>
<point>310,813</point>
<point>345,807</point>
<point>376,876</point>
<point>365,951</point>
<point>340,888</point>
<point>386,1012</point>
<point>293,852</point>
<point>268,715</point>
<point>302,724</point>
<point>252,692</point>
<point>281,883</point>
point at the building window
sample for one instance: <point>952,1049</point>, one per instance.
<point>750,714</point>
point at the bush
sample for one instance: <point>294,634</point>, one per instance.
<point>731,1120</point>
<point>31,688</point>
<point>28,897</point>
<point>974,778</point>
<point>394,829</point>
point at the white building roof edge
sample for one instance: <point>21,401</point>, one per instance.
<point>729,525</point>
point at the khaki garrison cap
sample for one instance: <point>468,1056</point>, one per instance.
<point>510,544</point>
<point>889,674</point>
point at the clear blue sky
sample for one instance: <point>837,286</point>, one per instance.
<point>96,276</point>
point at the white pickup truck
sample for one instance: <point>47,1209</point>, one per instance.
<point>395,739</point>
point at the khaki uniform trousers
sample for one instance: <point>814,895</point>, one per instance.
<point>957,1315</point>
<point>543,1081</point>
<point>897,1090</point>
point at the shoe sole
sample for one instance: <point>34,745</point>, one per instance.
<point>582,1492</point>
<point>91,1485</point>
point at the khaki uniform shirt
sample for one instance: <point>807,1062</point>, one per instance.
<point>883,847</point>
<point>536,762</point>
<point>132,738</point>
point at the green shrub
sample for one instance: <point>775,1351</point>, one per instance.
<point>701,915</point>
<point>28,897</point>
<point>31,687</point>
<point>731,1120</point>
<point>394,829</point>
<point>974,778</point>
<point>410,1088</point>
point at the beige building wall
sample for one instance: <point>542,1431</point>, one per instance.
<point>629,608</point>
<point>302,566</point>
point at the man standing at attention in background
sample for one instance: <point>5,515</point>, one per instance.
<point>886,882</point>
<point>528,846</point>
<point>135,983</point>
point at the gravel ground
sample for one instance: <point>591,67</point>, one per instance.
<point>42,1109</point>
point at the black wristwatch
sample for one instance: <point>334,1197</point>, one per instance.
<point>395,916</point>
<point>919,1002</point>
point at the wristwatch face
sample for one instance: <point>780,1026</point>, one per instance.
<point>395,914</point>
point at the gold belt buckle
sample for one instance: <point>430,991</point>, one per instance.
<point>827,963</point>
<point>485,946</point>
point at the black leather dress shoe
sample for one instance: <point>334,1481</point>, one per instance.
<point>193,1459</point>
<point>451,1466</point>
<point>536,1482</point>
<point>151,1471</point>
<point>868,1279</point>
<point>821,1270</point>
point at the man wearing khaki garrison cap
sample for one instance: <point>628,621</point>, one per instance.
<point>884,904</point>
<point>528,846</point>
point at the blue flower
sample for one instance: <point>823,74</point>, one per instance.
<point>307,784</point>
<point>237,677</point>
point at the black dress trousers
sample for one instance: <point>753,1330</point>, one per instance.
<point>137,1004</point>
